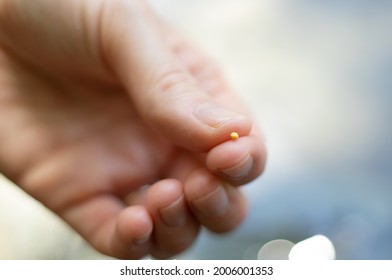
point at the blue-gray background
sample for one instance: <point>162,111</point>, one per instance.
<point>318,77</point>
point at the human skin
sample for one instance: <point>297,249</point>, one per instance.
<point>120,126</point>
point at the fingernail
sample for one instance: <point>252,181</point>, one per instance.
<point>143,239</point>
<point>214,204</point>
<point>174,215</point>
<point>239,171</point>
<point>214,116</point>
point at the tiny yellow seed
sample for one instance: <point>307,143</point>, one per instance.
<point>234,136</point>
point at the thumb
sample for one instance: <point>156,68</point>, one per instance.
<point>164,92</point>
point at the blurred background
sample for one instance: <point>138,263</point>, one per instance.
<point>318,77</point>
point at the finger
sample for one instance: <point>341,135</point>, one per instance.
<point>218,206</point>
<point>174,227</point>
<point>203,68</point>
<point>238,161</point>
<point>110,227</point>
<point>132,234</point>
<point>163,90</point>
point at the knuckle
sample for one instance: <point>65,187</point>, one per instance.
<point>171,80</point>
<point>169,86</point>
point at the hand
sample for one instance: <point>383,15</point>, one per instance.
<point>120,126</point>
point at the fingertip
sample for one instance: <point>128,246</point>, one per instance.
<point>238,161</point>
<point>132,234</point>
<point>217,123</point>
<point>166,203</point>
<point>196,124</point>
<point>199,183</point>
<point>163,193</point>
<point>218,206</point>
<point>205,193</point>
<point>134,224</point>
<point>174,226</point>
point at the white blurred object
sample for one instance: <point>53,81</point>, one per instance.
<point>275,250</point>
<point>318,247</point>
<point>30,231</point>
